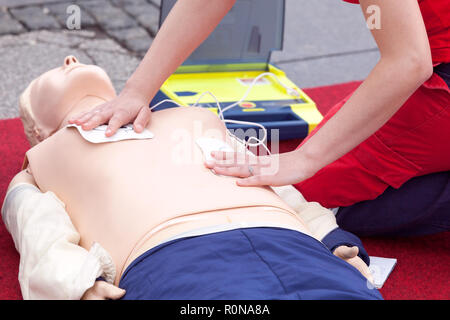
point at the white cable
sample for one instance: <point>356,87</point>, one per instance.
<point>164,101</point>
<point>248,143</point>
<point>259,143</point>
<point>220,111</point>
<point>219,106</point>
<point>290,91</point>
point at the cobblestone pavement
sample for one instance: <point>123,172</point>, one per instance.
<point>131,23</point>
<point>34,38</point>
<point>115,34</point>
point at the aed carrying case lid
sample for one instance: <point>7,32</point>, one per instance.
<point>247,35</point>
<point>229,60</point>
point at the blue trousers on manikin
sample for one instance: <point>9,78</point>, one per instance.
<point>250,263</point>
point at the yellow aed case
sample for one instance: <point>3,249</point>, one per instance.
<point>229,61</point>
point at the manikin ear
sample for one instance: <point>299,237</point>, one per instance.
<point>37,135</point>
<point>33,136</point>
<point>32,133</point>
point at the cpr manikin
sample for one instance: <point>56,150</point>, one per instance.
<point>123,197</point>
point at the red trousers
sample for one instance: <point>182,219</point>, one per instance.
<point>414,142</point>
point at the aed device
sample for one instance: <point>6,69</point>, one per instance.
<point>228,62</point>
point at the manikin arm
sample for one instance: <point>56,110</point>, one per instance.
<point>320,221</point>
<point>52,265</point>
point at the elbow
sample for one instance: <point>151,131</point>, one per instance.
<point>416,67</point>
<point>420,67</point>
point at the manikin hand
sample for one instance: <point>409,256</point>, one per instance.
<point>126,108</point>
<point>103,290</point>
<point>350,255</point>
<point>274,170</point>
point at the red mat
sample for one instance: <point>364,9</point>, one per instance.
<point>423,267</point>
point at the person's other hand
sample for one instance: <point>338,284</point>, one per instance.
<point>350,255</point>
<point>103,290</point>
<point>274,170</point>
<point>126,108</point>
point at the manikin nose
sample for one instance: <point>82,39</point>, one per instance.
<point>69,61</point>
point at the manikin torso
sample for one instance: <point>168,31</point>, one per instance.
<point>115,193</point>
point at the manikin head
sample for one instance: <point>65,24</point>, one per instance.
<point>50,98</point>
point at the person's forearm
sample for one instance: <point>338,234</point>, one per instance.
<point>388,86</point>
<point>189,23</point>
<point>404,65</point>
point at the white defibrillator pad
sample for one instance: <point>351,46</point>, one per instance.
<point>208,145</point>
<point>97,135</point>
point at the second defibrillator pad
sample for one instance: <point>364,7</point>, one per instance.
<point>97,135</point>
<point>208,145</point>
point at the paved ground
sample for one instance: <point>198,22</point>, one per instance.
<point>326,41</point>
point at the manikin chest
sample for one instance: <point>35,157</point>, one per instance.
<point>164,176</point>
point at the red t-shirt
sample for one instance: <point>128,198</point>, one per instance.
<point>436,15</point>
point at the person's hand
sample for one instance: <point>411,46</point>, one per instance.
<point>274,170</point>
<point>103,290</point>
<point>126,108</point>
<point>350,255</point>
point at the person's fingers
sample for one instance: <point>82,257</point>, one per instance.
<point>86,116</point>
<point>222,156</point>
<point>230,159</point>
<point>240,172</point>
<point>76,118</point>
<point>116,121</point>
<point>210,164</point>
<point>96,120</point>
<point>142,119</point>
<point>83,118</point>
<point>227,163</point>
<point>345,252</point>
<point>255,181</point>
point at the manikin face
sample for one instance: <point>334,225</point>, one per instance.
<point>52,96</point>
